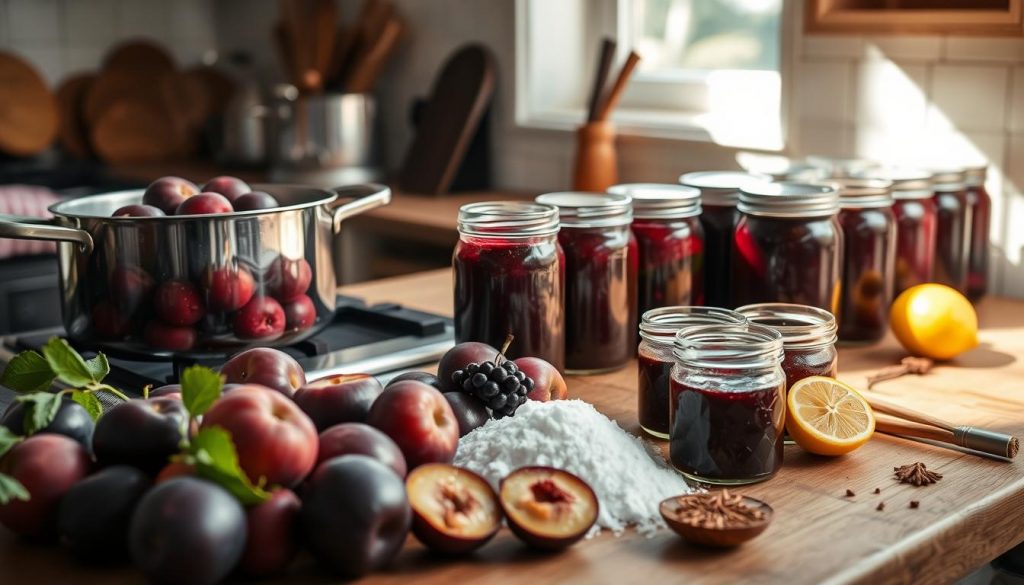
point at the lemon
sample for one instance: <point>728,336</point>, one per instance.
<point>934,321</point>
<point>827,417</point>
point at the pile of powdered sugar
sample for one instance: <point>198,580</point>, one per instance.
<point>630,480</point>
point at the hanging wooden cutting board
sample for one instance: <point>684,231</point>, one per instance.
<point>132,130</point>
<point>139,55</point>
<point>458,100</point>
<point>73,134</point>
<point>28,111</point>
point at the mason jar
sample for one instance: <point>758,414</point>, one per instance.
<point>955,219</point>
<point>980,204</point>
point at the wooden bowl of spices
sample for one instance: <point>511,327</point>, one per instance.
<point>719,518</point>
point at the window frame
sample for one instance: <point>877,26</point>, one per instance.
<point>667,107</point>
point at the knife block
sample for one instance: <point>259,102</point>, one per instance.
<point>596,166</point>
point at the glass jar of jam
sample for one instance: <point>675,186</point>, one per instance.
<point>915,214</point>
<point>658,328</point>
<point>980,203</point>
<point>727,404</point>
<point>953,228</point>
<point>788,246</point>
<point>509,279</point>
<point>719,193</point>
<point>808,338</point>
<point>670,243</point>
<point>869,244</point>
<point>600,279</point>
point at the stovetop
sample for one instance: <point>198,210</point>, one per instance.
<point>380,339</point>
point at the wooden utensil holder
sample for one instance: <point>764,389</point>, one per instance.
<point>596,160</point>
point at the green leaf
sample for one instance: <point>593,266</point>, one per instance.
<point>7,440</point>
<point>98,367</point>
<point>66,363</point>
<point>11,489</point>
<point>200,388</point>
<point>89,401</point>
<point>40,410</point>
<point>217,461</point>
<point>27,372</point>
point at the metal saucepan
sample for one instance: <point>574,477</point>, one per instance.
<point>200,285</point>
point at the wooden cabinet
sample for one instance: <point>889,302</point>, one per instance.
<point>957,17</point>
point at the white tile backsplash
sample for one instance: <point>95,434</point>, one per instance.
<point>1016,106</point>
<point>968,97</point>
<point>891,95</point>
<point>901,47</point>
<point>47,59</point>
<point>824,91</point>
<point>34,21</point>
<point>89,22</point>
<point>144,18</point>
<point>833,46</point>
<point>4,38</point>
<point>984,49</point>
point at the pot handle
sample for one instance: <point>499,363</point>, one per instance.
<point>361,198</point>
<point>32,228</point>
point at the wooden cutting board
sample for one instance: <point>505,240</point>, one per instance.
<point>73,134</point>
<point>28,110</point>
<point>139,55</point>
<point>133,130</point>
<point>458,100</point>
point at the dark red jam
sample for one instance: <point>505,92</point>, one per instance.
<point>655,373</point>
<point>600,308</point>
<point>671,261</point>
<point>512,286</point>
<point>980,204</point>
<point>804,363</point>
<point>727,435</point>
<point>787,260</point>
<point>719,223</point>
<point>953,228</point>
<point>915,242</point>
<point>869,236</point>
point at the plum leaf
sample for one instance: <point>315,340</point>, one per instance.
<point>7,440</point>
<point>11,489</point>
<point>89,402</point>
<point>200,388</point>
<point>98,366</point>
<point>27,372</point>
<point>67,364</point>
<point>40,410</point>
<point>217,460</point>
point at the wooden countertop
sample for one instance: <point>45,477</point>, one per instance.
<point>818,536</point>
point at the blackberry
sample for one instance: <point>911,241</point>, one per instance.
<point>502,387</point>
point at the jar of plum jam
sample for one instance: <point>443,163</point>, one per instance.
<point>719,193</point>
<point>509,279</point>
<point>808,338</point>
<point>600,279</point>
<point>788,246</point>
<point>869,244</point>
<point>727,402</point>
<point>915,214</point>
<point>980,204</point>
<point>670,243</point>
<point>953,228</point>
<point>658,328</point>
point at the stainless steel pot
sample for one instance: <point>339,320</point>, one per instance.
<point>136,284</point>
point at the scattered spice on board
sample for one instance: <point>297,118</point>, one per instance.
<point>908,365</point>
<point>916,474</point>
<point>629,477</point>
<point>915,504</point>
<point>881,506</point>
<point>850,494</point>
<point>877,491</point>
<point>716,510</point>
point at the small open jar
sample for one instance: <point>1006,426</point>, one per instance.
<point>658,328</point>
<point>808,338</point>
<point>508,279</point>
<point>600,279</point>
<point>727,403</point>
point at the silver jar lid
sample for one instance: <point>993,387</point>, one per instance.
<point>728,347</point>
<point>975,175</point>
<point>801,326</point>
<point>785,199</point>
<point>949,179</point>
<point>660,200</point>
<point>661,325</point>
<point>509,219</point>
<point>842,168</point>
<point>863,193</point>
<point>906,183</point>
<point>721,187</point>
<point>581,209</point>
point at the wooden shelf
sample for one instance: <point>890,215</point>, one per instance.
<point>960,17</point>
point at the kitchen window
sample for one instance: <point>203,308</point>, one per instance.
<point>712,70</point>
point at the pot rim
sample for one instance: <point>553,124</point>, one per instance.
<point>329,197</point>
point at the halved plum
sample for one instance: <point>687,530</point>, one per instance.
<point>455,510</point>
<point>548,508</point>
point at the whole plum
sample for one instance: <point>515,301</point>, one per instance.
<point>167,193</point>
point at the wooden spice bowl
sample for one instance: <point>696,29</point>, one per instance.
<point>715,537</point>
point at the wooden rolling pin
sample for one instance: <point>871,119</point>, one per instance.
<point>923,426</point>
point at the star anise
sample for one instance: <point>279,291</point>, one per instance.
<point>716,510</point>
<point>916,474</point>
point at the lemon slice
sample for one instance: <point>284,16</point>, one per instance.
<point>827,417</point>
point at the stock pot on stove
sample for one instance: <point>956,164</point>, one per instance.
<point>197,285</point>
